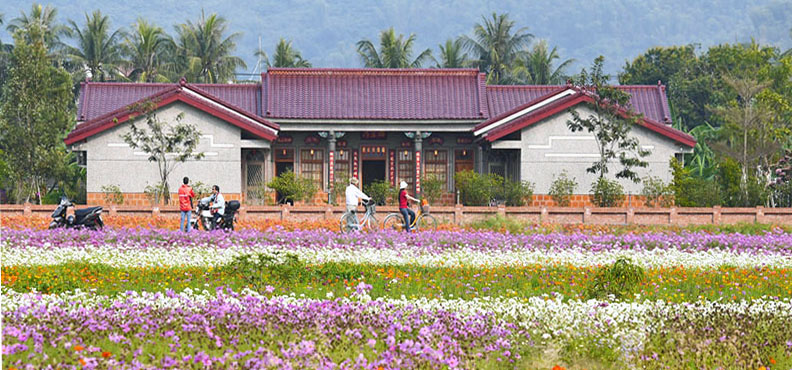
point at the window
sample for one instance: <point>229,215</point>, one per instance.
<point>342,164</point>
<point>463,160</point>
<point>436,164</point>
<point>406,168</point>
<point>312,165</point>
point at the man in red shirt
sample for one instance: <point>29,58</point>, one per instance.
<point>186,195</point>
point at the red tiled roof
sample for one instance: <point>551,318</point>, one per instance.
<point>97,99</point>
<point>649,100</point>
<point>388,94</point>
<point>558,106</point>
<point>185,93</point>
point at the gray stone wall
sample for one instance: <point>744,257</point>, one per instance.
<point>549,147</point>
<point>112,162</point>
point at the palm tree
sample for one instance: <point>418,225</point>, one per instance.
<point>395,52</point>
<point>39,24</point>
<point>452,54</point>
<point>536,67</point>
<point>496,47</point>
<point>98,50</point>
<point>204,54</point>
<point>285,56</point>
<point>147,49</point>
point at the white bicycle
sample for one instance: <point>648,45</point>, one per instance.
<point>350,222</point>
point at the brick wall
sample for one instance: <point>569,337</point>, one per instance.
<point>142,200</point>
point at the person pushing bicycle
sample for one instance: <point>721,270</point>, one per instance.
<point>353,196</point>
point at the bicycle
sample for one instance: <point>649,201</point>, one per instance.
<point>350,222</point>
<point>423,220</point>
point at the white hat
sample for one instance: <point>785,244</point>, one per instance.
<point>402,185</point>
<point>353,180</point>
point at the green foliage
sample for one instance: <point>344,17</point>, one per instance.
<point>536,66</point>
<point>203,52</point>
<point>112,194</point>
<point>734,193</point>
<point>251,268</point>
<point>432,188</point>
<point>514,193</point>
<point>475,189</point>
<point>36,112</point>
<point>166,144</point>
<point>657,192</point>
<point>607,193</point>
<point>496,44</point>
<point>395,52</point>
<point>621,280</point>
<point>147,50</point>
<point>692,191</point>
<point>98,47</point>
<point>381,192</point>
<point>285,56</point>
<point>201,190</point>
<point>293,188</point>
<point>562,188</point>
<point>157,192</point>
<point>338,190</point>
<point>502,224</point>
<point>610,129</point>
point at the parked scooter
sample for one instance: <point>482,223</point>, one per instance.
<point>87,217</point>
<point>203,215</point>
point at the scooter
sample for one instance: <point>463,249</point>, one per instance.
<point>90,218</point>
<point>203,215</point>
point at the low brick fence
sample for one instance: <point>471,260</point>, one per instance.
<point>463,214</point>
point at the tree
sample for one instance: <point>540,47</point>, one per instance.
<point>536,67</point>
<point>610,124</point>
<point>285,56</point>
<point>747,135</point>
<point>98,50</point>
<point>41,24</point>
<point>495,47</point>
<point>204,52</point>
<point>167,145</point>
<point>147,49</point>
<point>452,54</point>
<point>36,112</point>
<point>395,52</point>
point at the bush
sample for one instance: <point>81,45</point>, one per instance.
<point>514,193</point>
<point>293,188</point>
<point>432,188</point>
<point>381,192</point>
<point>692,191</point>
<point>155,192</point>
<point>657,192</point>
<point>201,190</point>
<point>607,193</point>
<point>621,280</point>
<point>475,189</point>
<point>562,188</point>
<point>339,189</point>
<point>112,194</point>
<point>733,195</point>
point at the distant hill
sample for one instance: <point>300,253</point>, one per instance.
<point>326,31</point>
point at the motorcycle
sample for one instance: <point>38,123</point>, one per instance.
<point>203,215</point>
<point>90,218</point>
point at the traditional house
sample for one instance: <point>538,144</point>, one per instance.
<point>373,124</point>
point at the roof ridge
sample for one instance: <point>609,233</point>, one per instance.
<point>375,71</point>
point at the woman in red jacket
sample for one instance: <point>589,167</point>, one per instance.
<point>404,205</point>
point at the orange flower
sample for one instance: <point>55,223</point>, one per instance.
<point>82,362</point>
<point>772,361</point>
<point>106,354</point>
<point>558,368</point>
<point>78,348</point>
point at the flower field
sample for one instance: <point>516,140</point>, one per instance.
<point>290,298</point>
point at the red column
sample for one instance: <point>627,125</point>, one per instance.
<point>331,170</point>
<point>355,163</point>
<point>392,167</point>
<point>417,172</point>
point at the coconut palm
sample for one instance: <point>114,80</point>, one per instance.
<point>452,54</point>
<point>496,47</point>
<point>395,52</point>
<point>536,67</point>
<point>98,49</point>
<point>147,49</point>
<point>39,23</point>
<point>285,56</point>
<point>204,52</point>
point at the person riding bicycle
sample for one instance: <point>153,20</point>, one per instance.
<point>353,196</point>
<point>404,205</point>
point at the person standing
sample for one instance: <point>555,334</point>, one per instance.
<point>353,196</point>
<point>404,205</point>
<point>186,195</point>
<point>218,205</point>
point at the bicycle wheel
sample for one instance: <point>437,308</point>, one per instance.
<point>346,220</point>
<point>394,221</point>
<point>426,222</point>
<point>371,223</point>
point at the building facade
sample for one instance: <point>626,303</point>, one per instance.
<point>373,124</point>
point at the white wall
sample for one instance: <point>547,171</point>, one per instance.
<point>111,162</point>
<point>549,147</point>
